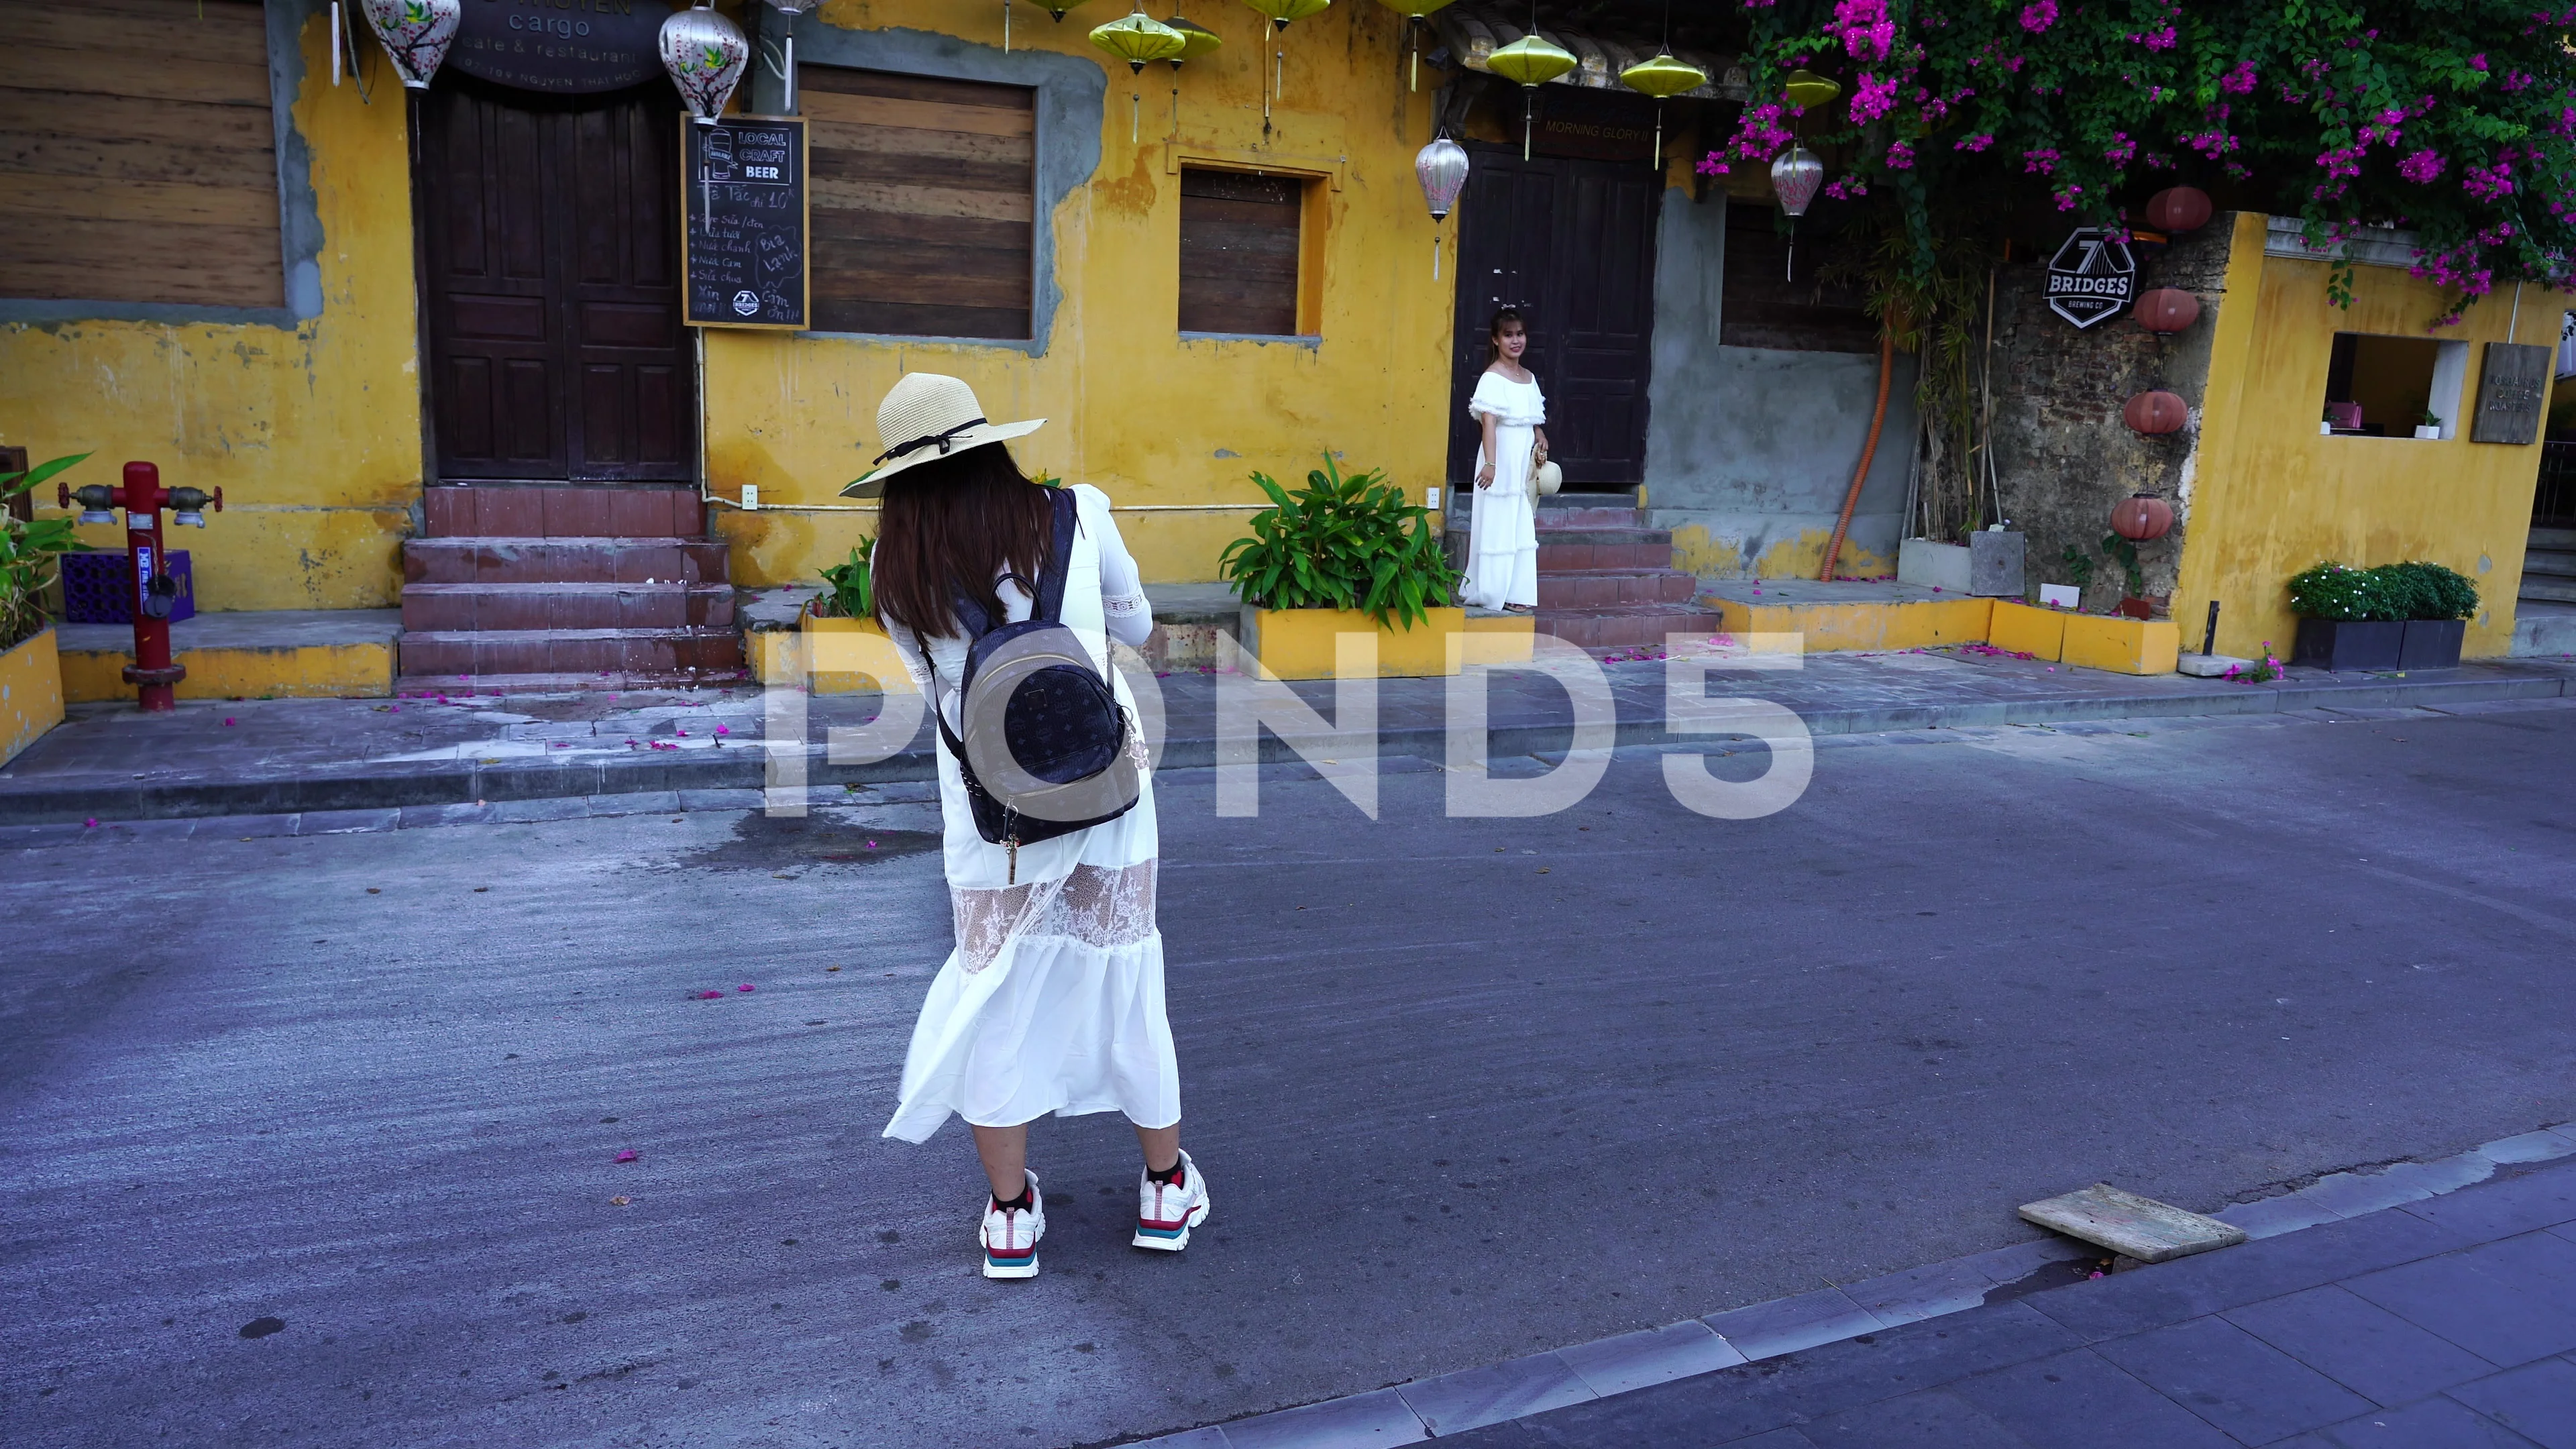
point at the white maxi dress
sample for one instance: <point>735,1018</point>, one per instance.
<point>1502,532</point>
<point>1052,1000</point>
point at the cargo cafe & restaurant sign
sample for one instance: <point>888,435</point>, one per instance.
<point>562,47</point>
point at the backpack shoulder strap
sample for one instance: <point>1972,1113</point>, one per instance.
<point>1049,604</point>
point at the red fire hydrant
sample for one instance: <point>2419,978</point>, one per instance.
<point>154,591</point>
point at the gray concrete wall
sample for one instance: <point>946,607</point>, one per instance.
<point>1749,450</point>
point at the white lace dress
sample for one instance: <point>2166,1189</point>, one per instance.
<point>1502,529</point>
<point>1052,1000</point>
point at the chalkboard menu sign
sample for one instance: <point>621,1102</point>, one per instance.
<point>744,245</point>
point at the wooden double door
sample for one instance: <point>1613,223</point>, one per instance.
<point>551,289</point>
<point>1571,243</point>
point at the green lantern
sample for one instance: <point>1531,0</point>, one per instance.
<point>1414,13</point>
<point>1139,39</point>
<point>1532,61</point>
<point>1662,77</point>
<point>1281,12</point>
<point>1807,90</point>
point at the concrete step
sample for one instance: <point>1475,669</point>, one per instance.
<point>1614,498</point>
<point>451,607</point>
<point>1602,548</point>
<point>1589,515</point>
<point>1597,588</point>
<point>1627,626</point>
<point>614,681</point>
<point>565,510</point>
<point>2556,591</point>
<point>2556,563</point>
<point>678,654</point>
<point>523,559</point>
<point>2564,538</point>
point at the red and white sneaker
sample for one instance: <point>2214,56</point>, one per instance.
<point>1010,1238</point>
<point>1166,1211</point>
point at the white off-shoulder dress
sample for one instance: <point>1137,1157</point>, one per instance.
<point>1052,1000</point>
<point>1502,532</point>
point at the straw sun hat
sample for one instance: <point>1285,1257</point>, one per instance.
<point>929,415</point>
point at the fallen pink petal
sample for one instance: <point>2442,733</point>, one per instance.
<point>746,986</point>
<point>628,1155</point>
<point>709,995</point>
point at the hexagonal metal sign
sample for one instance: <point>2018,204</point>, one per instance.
<point>2093,276</point>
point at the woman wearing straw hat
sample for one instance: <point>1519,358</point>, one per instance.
<point>1052,1000</point>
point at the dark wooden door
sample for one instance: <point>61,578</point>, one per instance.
<point>550,285</point>
<point>1571,243</point>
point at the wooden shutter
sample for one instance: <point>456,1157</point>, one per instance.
<point>924,203</point>
<point>1239,235</point>
<point>138,159</point>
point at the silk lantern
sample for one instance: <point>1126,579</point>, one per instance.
<point>1807,90</point>
<point>1441,167</point>
<point>2167,309</point>
<point>2142,518</point>
<point>415,34</point>
<point>1662,77</point>
<point>2179,209</point>
<point>1414,13</point>
<point>706,55</point>
<point>2156,412</point>
<point>1533,61</point>
<point>1281,13</point>
<point>1138,39</point>
<point>1796,175</point>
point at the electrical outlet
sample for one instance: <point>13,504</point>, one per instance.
<point>750,497</point>
<point>1431,498</point>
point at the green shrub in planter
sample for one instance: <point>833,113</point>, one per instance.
<point>1341,543</point>
<point>2436,591</point>
<point>2335,592</point>
<point>28,554</point>
<point>853,593</point>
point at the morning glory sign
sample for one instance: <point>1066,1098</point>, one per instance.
<point>2093,276</point>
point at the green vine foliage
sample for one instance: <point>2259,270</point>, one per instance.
<point>30,555</point>
<point>2455,121</point>
<point>1341,543</point>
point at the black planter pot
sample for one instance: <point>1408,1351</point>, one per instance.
<point>2432,643</point>
<point>2341,644</point>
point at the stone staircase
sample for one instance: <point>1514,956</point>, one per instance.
<point>2549,567</point>
<point>1606,581</point>
<point>538,587</point>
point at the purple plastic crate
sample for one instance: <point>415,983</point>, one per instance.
<point>96,589</point>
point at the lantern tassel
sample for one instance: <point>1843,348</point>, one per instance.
<point>1413,73</point>
<point>1435,256</point>
<point>790,77</point>
<point>1659,136</point>
<point>1135,116</point>
<point>1006,27</point>
<point>335,44</point>
<point>1527,108</point>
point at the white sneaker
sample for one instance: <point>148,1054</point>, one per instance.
<point>1010,1238</point>
<point>1166,1211</point>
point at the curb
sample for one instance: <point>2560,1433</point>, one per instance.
<point>1453,1403</point>
<point>422,783</point>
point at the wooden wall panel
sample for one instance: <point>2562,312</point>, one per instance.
<point>138,158</point>
<point>1239,249</point>
<point>924,203</point>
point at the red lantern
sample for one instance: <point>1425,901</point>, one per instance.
<point>2167,309</point>
<point>2141,517</point>
<point>2156,412</point>
<point>2179,208</point>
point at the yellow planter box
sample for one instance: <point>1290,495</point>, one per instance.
<point>1498,639</point>
<point>358,670</point>
<point>2123,646</point>
<point>31,693</point>
<point>1302,643</point>
<point>2022,629</point>
<point>1914,624</point>
<point>849,655</point>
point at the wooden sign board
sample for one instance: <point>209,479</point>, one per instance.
<point>744,243</point>
<point>2513,392</point>
<point>565,47</point>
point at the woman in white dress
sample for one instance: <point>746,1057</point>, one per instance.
<point>1052,1000</point>
<point>1502,533</point>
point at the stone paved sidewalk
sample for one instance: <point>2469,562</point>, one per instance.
<point>264,757</point>
<point>2425,1306</point>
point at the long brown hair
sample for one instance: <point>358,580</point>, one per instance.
<point>951,527</point>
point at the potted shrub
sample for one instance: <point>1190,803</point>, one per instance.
<point>1344,555</point>
<point>2346,619</point>
<point>846,649</point>
<point>31,670</point>
<point>2429,425</point>
<point>2436,603</point>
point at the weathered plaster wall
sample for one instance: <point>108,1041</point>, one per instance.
<point>1749,451</point>
<point>2272,496</point>
<point>2063,454</point>
<point>308,417</point>
<point>1172,427</point>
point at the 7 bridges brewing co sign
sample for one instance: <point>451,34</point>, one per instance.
<point>2093,276</point>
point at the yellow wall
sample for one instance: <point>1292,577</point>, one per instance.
<point>1168,424</point>
<point>2271,496</point>
<point>314,433</point>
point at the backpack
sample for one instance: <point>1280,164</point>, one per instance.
<point>1047,749</point>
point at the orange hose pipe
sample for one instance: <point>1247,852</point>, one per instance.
<point>1869,450</point>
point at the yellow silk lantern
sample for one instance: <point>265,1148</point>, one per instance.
<point>1138,39</point>
<point>1533,61</point>
<point>1414,13</point>
<point>1196,40</point>
<point>1281,12</point>
<point>1807,90</point>
<point>1661,77</point>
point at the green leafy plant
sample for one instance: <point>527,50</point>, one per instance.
<point>853,593</point>
<point>30,554</point>
<point>2079,566</point>
<point>2425,591</point>
<point>1341,543</point>
<point>2337,592</point>
<point>2429,419</point>
<point>2124,553</point>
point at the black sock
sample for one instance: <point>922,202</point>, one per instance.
<point>1169,1176</point>
<point>1020,1203</point>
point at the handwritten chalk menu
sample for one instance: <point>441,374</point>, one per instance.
<point>743,245</point>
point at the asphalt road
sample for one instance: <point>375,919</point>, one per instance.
<point>1463,1089</point>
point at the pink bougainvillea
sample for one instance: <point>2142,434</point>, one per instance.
<point>1872,99</point>
<point>2036,18</point>
<point>2422,166</point>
